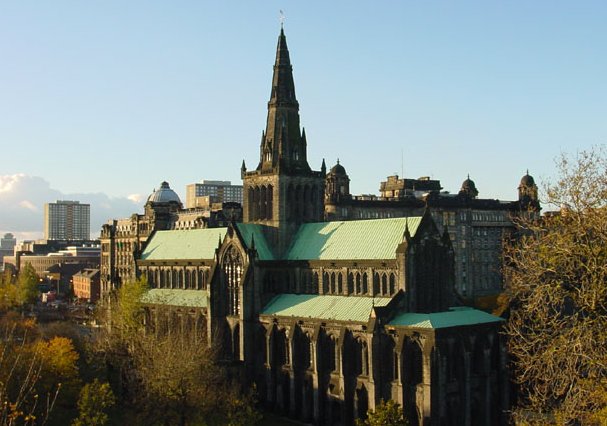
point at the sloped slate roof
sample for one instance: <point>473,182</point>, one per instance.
<point>454,317</point>
<point>337,308</point>
<point>176,297</point>
<point>351,240</point>
<point>183,244</point>
<point>250,231</point>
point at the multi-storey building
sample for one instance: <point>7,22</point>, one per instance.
<point>67,220</point>
<point>327,318</point>
<point>7,246</point>
<point>86,285</point>
<point>477,227</point>
<point>206,192</point>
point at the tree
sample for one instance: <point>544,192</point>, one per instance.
<point>182,382</point>
<point>27,284</point>
<point>95,399</point>
<point>557,274</point>
<point>22,401</point>
<point>8,291</point>
<point>165,369</point>
<point>387,413</point>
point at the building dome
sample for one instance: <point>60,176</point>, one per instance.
<point>469,187</point>
<point>164,195</point>
<point>527,180</point>
<point>338,169</point>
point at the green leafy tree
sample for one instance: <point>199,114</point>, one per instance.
<point>95,399</point>
<point>8,291</point>
<point>27,284</point>
<point>387,413</point>
<point>556,274</point>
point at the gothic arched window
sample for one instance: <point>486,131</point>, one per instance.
<point>232,269</point>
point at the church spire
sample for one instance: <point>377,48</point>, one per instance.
<point>283,146</point>
<point>283,87</point>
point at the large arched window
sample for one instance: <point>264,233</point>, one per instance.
<point>232,268</point>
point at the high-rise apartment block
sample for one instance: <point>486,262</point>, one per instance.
<point>67,220</point>
<point>207,192</point>
<point>7,245</point>
<point>8,242</point>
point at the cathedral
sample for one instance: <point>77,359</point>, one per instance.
<point>325,318</point>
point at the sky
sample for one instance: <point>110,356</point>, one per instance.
<point>100,101</point>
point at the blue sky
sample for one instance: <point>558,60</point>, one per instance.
<point>109,97</point>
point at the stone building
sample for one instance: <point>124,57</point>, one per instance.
<point>477,227</point>
<point>122,240</point>
<point>86,286</point>
<point>327,318</point>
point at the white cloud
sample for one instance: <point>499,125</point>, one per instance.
<point>7,182</point>
<point>22,198</point>
<point>28,205</point>
<point>136,198</point>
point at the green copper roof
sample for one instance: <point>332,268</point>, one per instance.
<point>351,240</point>
<point>454,317</point>
<point>250,231</point>
<point>183,244</point>
<point>338,308</point>
<point>176,297</point>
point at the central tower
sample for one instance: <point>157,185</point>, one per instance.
<point>283,191</point>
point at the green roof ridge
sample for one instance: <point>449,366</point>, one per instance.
<point>454,317</point>
<point>176,297</point>
<point>351,240</point>
<point>254,232</point>
<point>183,244</point>
<point>327,307</point>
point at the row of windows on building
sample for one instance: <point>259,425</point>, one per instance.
<point>177,277</point>
<point>372,214</point>
<point>336,282</point>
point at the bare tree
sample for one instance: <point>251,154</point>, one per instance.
<point>557,282</point>
<point>20,373</point>
<point>168,371</point>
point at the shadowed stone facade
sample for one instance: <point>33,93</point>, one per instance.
<point>477,227</point>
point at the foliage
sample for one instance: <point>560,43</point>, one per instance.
<point>556,274</point>
<point>126,308</point>
<point>21,368</point>
<point>179,380</point>
<point>241,410</point>
<point>387,413</point>
<point>165,370</point>
<point>8,291</point>
<point>58,366</point>
<point>27,285</point>
<point>95,399</point>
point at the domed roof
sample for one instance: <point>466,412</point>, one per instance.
<point>338,169</point>
<point>468,184</point>
<point>164,195</point>
<point>469,187</point>
<point>527,180</point>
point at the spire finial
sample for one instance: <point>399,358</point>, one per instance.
<point>282,19</point>
<point>338,161</point>
<point>527,171</point>
<point>468,176</point>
